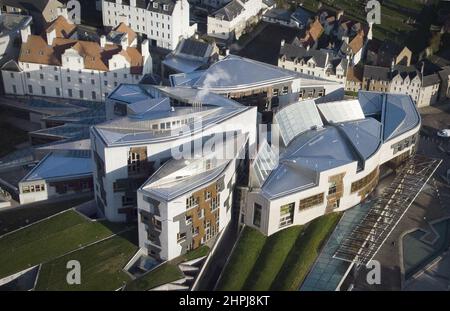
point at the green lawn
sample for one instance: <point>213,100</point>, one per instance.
<point>278,262</point>
<point>304,253</point>
<point>49,239</point>
<point>101,266</point>
<point>166,273</point>
<point>196,253</point>
<point>271,258</point>
<point>242,260</point>
<point>10,136</point>
<point>16,218</point>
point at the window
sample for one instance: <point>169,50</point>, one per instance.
<point>94,95</point>
<point>286,214</point>
<point>58,92</point>
<point>156,223</point>
<point>12,75</point>
<point>81,94</point>
<point>68,79</point>
<point>311,201</point>
<point>181,237</point>
<point>80,80</point>
<point>41,76</point>
<point>92,81</point>
<point>188,219</point>
<point>30,89</point>
<point>207,195</point>
<point>14,89</point>
<point>332,188</point>
<point>28,75</point>
<point>365,181</point>
<point>191,202</point>
<point>257,215</point>
<point>69,91</point>
<point>136,158</point>
<point>215,202</point>
<point>200,213</point>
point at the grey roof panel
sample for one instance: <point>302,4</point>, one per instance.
<point>400,115</point>
<point>365,136</point>
<point>64,165</point>
<point>371,102</point>
<point>235,71</point>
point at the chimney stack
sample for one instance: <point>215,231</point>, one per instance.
<point>103,41</point>
<point>51,35</point>
<point>24,33</point>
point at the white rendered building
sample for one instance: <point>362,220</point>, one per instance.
<point>164,22</point>
<point>329,161</point>
<point>60,65</point>
<point>128,149</point>
<point>233,18</point>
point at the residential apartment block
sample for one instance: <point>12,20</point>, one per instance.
<point>164,22</point>
<point>58,64</point>
<point>317,63</point>
<point>330,159</point>
<point>423,88</point>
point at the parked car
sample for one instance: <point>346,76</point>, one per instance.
<point>444,133</point>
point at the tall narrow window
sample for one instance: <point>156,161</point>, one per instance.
<point>257,215</point>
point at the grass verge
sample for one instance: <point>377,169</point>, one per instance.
<point>304,253</point>
<point>242,260</point>
<point>272,258</point>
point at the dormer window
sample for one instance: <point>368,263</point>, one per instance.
<point>155,5</point>
<point>165,7</point>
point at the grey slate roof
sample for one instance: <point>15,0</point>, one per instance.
<point>293,51</point>
<point>230,11</point>
<point>376,73</point>
<point>432,79</point>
